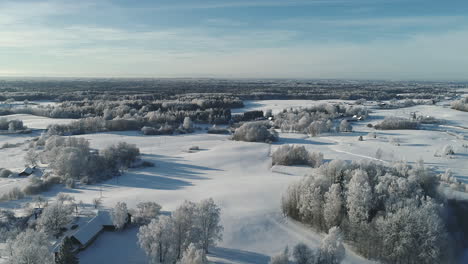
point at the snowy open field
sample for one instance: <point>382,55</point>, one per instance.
<point>239,176</point>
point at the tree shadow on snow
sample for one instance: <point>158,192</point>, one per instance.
<point>228,255</point>
<point>169,173</point>
<point>305,141</point>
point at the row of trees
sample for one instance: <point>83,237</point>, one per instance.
<point>318,119</point>
<point>211,109</point>
<point>393,214</point>
<point>185,235</point>
<point>397,123</point>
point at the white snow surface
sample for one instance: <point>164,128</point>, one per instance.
<point>239,176</point>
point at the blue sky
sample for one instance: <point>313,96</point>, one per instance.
<point>359,39</point>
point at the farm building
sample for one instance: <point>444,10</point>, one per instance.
<point>86,233</point>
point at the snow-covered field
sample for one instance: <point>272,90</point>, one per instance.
<point>38,122</point>
<point>239,176</point>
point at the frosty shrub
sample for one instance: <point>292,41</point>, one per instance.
<point>396,123</point>
<point>345,126</point>
<point>4,173</point>
<point>461,104</point>
<point>255,132</point>
<point>217,130</point>
<point>448,150</point>
<point>147,130</point>
<point>281,258</point>
<point>192,255</point>
<point>14,194</point>
<point>145,212</point>
<point>296,155</point>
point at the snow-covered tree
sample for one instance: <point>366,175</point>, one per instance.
<point>311,203</point>
<point>145,212</point>
<point>184,218</point>
<point>187,125</point>
<point>29,248</point>
<point>281,258</point>
<point>157,240</point>
<point>31,157</point>
<point>97,202</point>
<point>193,255</point>
<point>54,217</point>
<point>345,126</point>
<point>303,254</point>
<point>359,197</point>
<point>120,215</point>
<point>332,250</point>
<point>208,217</point>
<point>332,209</point>
<point>66,255</point>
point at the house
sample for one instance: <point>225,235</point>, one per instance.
<point>88,231</point>
<point>27,171</point>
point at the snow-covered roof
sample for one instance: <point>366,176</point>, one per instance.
<point>27,171</point>
<point>93,227</point>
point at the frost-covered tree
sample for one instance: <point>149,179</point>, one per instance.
<point>345,126</point>
<point>359,197</point>
<point>157,240</point>
<point>193,255</point>
<point>29,248</point>
<point>187,125</point>
<point>120,215</point>
<point>303,254</point>
<point>184,218</point>
<point>254,132</point>
<point>66,255</point>
<point>332,250</point>
<point>281,258</point>
<point>311,203</point>
<point>296,155</point>
<point>333,207</point>
<point>31,157</point>
<point>97,202</point>
<point>208,218</point>
<point>54,217</point>
<point>145,212</point>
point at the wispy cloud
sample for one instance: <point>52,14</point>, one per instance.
<point>34,42</point>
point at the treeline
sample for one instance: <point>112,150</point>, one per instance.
<point>151,89</point>
<point>209,109</point>
<point>318,119</point>
<point>391,123</point>
<point>391,214</point>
